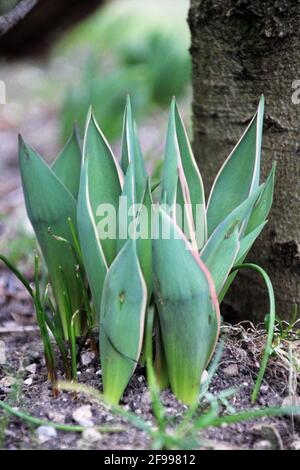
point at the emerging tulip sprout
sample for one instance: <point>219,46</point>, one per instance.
<point>179,255</point>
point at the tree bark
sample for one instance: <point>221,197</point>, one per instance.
<point>240,49</point>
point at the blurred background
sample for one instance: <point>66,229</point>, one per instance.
<point>59,57</point>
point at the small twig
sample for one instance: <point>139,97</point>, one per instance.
<point>15,15</point>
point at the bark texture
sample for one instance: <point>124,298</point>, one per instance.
<point>240,49</point>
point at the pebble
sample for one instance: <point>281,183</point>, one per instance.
<point>91,435</point>
<point>262,445</point>
<point>231,371</point>
<point>83,415</point>
<point>31,368</point>
<point>146,398</point>
<point>295,445</point>
<point>7,381</point>
<point>56,416</point>
<point>28,381</point>
<point>45,433</point>
<point>264,389</point>
<point>87,358</point>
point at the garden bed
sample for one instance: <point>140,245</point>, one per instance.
<point>23,383</point>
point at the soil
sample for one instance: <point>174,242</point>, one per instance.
<point>23,382</point>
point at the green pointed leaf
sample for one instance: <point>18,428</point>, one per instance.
<point>239,175</point>
<point>247,242</point>
<point>131,152</point>
<point>187,307</point>
<point>49,205</point>
<point>144,242</point>
<point>105,179</point>
<point>68,164</point>
<point>193,179</point>
<point>137,219</point>
<point>221,249</point>
<point>245,245</point>
<point>127,208</point>
<point>92,252</point>
<point>264,203</point>
<point>219,255</point>
<point>122,317</point>
<point>181,179</point>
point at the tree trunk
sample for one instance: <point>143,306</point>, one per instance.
<point>240,49</point>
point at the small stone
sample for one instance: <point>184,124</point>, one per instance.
<point>231,371</point>
<point>87,357</point>
<point>83,415</point>
<point>295,445</point>
<point>7,381</point>
<point>28,381</point>
<point>31,368</point>
<point>91,435</point>
<point>140,379</point>
<point>56,416</point>
<point>45,433</point>
<point>262,445</point>
<point>99,372</point>
<point>264,389</point>
<point>146,398</point>
<point>222,446</point>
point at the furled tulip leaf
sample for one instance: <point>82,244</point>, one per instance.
<point>193,179</point>
<point>131,152</point>
<point>139,217</point>
<point>219,257</point>
<point>225,239</point>
<point>49,204</point>
<point>245,245</point>
<point>247,242</point>
<point>127,208</point>
<point>104,181</point>
<point>91,248</point>
<point>181,179</point>
<point>122,321</point>
<point>263,205</point>
<point>144,242</point>
<point>187,306</point>
<point>239,175</point>
<point>68,163</point>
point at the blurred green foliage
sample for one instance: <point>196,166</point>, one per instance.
<point>136,47</point>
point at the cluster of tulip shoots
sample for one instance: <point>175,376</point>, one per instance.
<point>109,282</point>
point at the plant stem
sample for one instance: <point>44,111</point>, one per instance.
<point>271,325</point>
<point>62,427</point>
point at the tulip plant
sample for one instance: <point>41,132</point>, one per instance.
<point>106,276</point>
